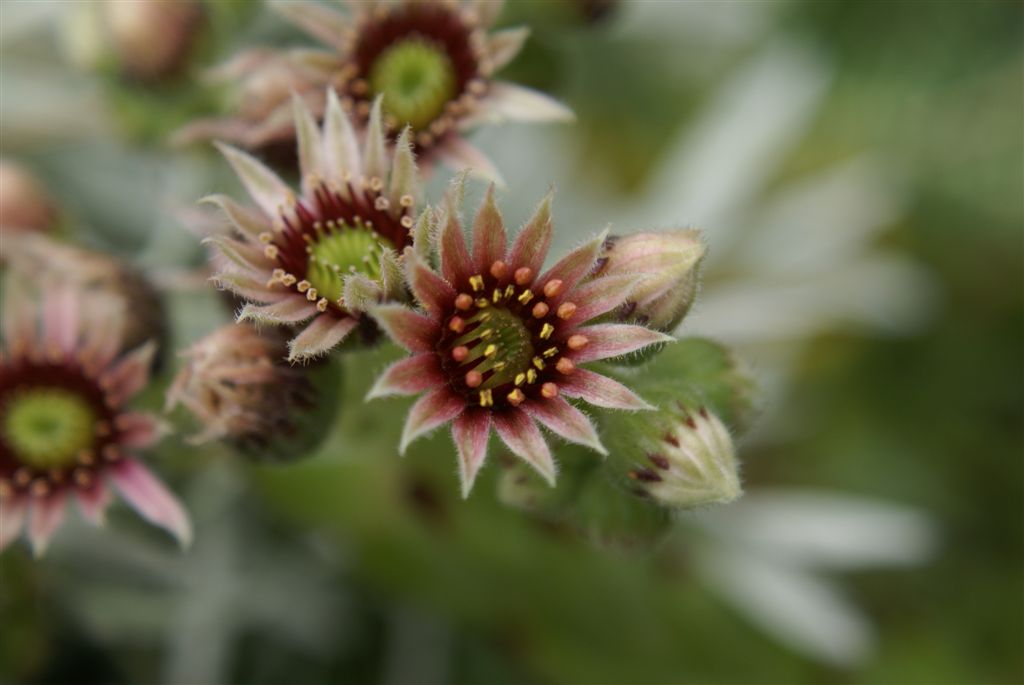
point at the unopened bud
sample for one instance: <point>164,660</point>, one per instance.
<point>24,203</point>
<point>669,263</point>
<point>238,386</point>
<point>687,459</point>
<point>152,38</point>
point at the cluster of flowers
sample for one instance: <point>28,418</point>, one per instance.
<point>495,340</point>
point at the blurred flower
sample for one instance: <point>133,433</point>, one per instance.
<point>151,38</point>
<point>669,263</point>
<point>25,205</point>
<point>499,341</point>
<point>235,382</point>
<point>64,424</point>
<point>432,61</point>
<point>325,256</point>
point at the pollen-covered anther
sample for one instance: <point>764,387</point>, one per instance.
<point>486,398</point>
<point>40,488</point>
<point>546,330</point>
<point>552,287</point>
<point>476,282</point>
<point>456,324</point>
<point>82,477</point>
<point>523,275</point>
<point>565,366</point>
<point>303,286</point>
<point>499,269</point>
<point>463,301</point>
<point>549,391</point>
<point>577,342</point>
<point>474,379</point>
<point>566,310</point>
<point>525,296</point>
<point>110,453</point>
<point>540,310</point>
<point>311,295</point>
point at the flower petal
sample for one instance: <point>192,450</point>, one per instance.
<point>139,430</point>
<point>508,101</point>
<point>489,241</point>
<point>311,161</point>
<point>60,318</point>
<point>129,374</point>
<point>249,257</point>
<point>93,502</point>
<point>265,187</point>
<point>456,266</point>
<point>470,431</point>
<point>151,499</point>
<point>324,24</point>
<point>577,264</point>
<point>403,169</point>
<point>375,161</point>
<point>602,295</point>
<point>321,336</point>
<point>430,411</point>
<point>295,309</point>
<point>460,155</point>
<point>616,339</point>
<point>340,141</point>
<point>409,376</point>
<point>246,220</point>
<point>434,293</point>
<point>601,391</point>
<point>531,245</point>
<point>12,516</point>
<point>19,316</point>
<point>249,288</point>
<point>504,45</point>
<point>47,515</point>
<point>521,435</point>
<point>409,329</point>
<point>567,421</point>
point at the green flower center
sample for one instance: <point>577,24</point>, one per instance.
<point>48,427</point>
<point>505,346</point>
<point>417,80</point>
<point>341,251</point>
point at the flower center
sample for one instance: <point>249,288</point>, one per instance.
<point>340,250</point>
<point>499,347</point>
<point>48,427</point>
<point>417,79</point>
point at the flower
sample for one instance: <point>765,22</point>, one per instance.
<point>500,343</point>
<point>321,257</point>
<point>235,383</point>
<point>432,61</point>
<point>65,428</point>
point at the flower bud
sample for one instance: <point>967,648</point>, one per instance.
<point>670,263</point>
<point>691,462</point>
<point>24,203</point>
<point>151,38</point>
<point>240,389</point>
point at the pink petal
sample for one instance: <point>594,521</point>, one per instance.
<point>12,516</point>
<point>565,420</point>
<point>409,329</point>
<point>19,316</point>
<point>60,318</point>
<point>531,245</point>
<point>431,291</point>
<point>459,154</point>
<point>616,339</point>
<point>575,265</point>
<point>47,515</point>
<point>456,266</point>
<point>409,376</point>
<point>139,430</point>
<point>295,309</point>
<point>151,499</point>
<point>129,374</point>
<point>601,391</point>
<point>265,187</point>
<point>93,502</point>
<point>247,221</point>
<point>320,337</point>
<point>470,431</point>
<point>430,411</point>
<point>602,295</point>
<point>522,436</point>
<point>489,241</point>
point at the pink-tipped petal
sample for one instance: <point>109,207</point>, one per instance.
<point>616,339</point>
<point>470,432</point>
<point>602,295</point>
<point>60,318</point>
<point>265,187</point>
<point>320,337</point>
<point>460,155</point>
<point>601,391</point>
<point>93,502</point>
<point>129,374</point>
<point>295,309</point>
<point>577,264</point>
<point>431,291</point>
<point>456,266</point>
<point>430,411</point>
<point>521,435</point>
<point>531,245</point>
<point>139,430</point>
<point>409,329</point>
<point>410,376</point>
<point>12,517</point>
<point>489,241</point>
<point>151,499</point>
<point>46,517</point>
<point>567,421</point>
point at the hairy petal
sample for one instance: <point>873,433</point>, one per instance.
<point>247,221</point>
<point>310,146</point>
<point>46,517</point>
<point>431,291</point>
<point>460,155</point>
<point>375,161</point>
<point>489,241</point>
<point>265,187</point>
<point>504,45</point>
<point>470,431</point>
<point>151,499</point>
<point>319,337</point>
<point>409,329</point>
<point>129,374</point>
<point>601,391</point>
<point>410,376</point>
<point>456,266</point>
<point>247,256</point>
<point>139,430</point>
<point>531,245</point>
<point>295,309</point>
<point>602,295</point>
<point>616,339</point>
<point>567,421</point>
<point>93,502</point>
<point>403,169</point>
<point>430,411</point>
<point>340,141</point>
<point>577,264</point>
<point>521,435</point>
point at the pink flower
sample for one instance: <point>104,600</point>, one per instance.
<point>500,343</point>
<point>432,61</point>
<point>316,260</point>
<point>65,428</point>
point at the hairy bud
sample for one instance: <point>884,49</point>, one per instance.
<point>151,38</point>
<point>670,264</point>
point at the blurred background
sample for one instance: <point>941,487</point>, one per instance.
<point>857,169</point>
